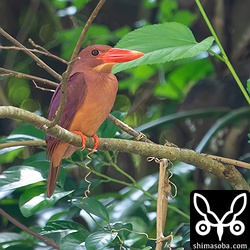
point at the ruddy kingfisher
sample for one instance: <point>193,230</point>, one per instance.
<point>91,93</point>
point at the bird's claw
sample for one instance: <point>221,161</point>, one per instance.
<point>96,139</point>
<point>82,136</point>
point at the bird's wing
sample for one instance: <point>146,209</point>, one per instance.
<point>76,92</point>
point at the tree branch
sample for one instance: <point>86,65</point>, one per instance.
<point>26,76</point>
<point>29,143</point>
<point>48,241</point>
<point>39,49</point>
<point>39,62</point>
<point>226,172</point>
<point>125,127</point>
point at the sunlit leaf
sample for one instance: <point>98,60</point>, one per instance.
<point>138,241</point>
<point>99,240</point>
<point>74,241</point>
<point>22,133</point>
<point>92,206</point>
<point>61,225</point>
<point>162,43</point>
<point>34,200</point>
<point>19,176</point>
<point>14,241</point>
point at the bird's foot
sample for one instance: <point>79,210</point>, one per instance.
<point>82,136</point>
<point>96,139</point>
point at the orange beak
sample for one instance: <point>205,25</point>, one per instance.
<point>120,55</point>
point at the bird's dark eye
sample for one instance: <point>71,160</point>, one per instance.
<point>95,52</point>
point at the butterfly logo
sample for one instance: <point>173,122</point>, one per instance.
<point>203,227</point>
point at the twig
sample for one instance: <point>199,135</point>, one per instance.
<point>66,74</point>
<point>41,51</point>
<point>26,76</point>
<point>48,241</point>
<point>229,161</point>
<point>29,143</point>
<point>137,135</point>
<point>41,88</point>
<point>39,62</point>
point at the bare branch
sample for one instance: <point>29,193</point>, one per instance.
<point>38,143</point>
<point>26,76</point>
<point>42,50</point>
<point>48,241</point>
<point>39,62</point>
<point>39,50</point>
<point>125,127</point>
<point>41,88</point>
<point>229,161</point>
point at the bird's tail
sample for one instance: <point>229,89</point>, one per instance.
<point>54,170</point>
<point>60,151</point>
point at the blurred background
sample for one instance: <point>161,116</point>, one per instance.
<point>193,103</point>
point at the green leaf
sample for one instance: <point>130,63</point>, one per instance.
<point>185,17</point>
<point>34,200</point>
<point>74,241</point>
<point>22,133</point>
<point>59,226</point>
<point>28,130</point>
<point>92,206</point>
<point>248,86</point>
<point>14,241</point>
<point>109,129</point>
<point>137,241</point>
<point>180,80</point>
<point>99,240</point>
<point>10,154</point>
<point>19,176</point>
<point>162,43</point>
<point>39,162</point>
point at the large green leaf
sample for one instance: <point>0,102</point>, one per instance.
<point>162,43</point>
<point>55,226</point>
<point>21,133</point>
<point>14,241</point>
<point>19,176</point>
<point>92,206</point>
<point>99,240</point>
<point>30,130</point>
<point>73,241</point>
<point>34,200</point>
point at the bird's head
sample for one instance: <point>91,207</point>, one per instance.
<point>102,58</point>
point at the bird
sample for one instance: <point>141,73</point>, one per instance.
<point>90,95</point>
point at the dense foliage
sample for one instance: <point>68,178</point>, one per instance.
<point>180,91</point>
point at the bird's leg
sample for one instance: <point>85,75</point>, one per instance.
<point>82,136</point>
<point>96,139</point>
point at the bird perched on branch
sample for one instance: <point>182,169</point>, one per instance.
<point>91,93</point>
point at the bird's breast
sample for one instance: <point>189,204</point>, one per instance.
<point>98,102</point>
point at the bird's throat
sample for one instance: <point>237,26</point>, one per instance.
<point>104,67</point>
